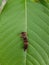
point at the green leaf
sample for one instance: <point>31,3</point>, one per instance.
<point>33,18</point>
<point>0,2</point>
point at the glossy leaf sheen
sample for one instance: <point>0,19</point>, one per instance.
<point>18,16</point>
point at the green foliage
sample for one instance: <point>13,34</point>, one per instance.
<point>0,2</point>
<point>40,0</point>
<point>24,15</point>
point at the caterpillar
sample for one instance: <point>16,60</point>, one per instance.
<point>25,40</point>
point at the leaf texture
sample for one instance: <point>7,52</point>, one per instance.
<point>24,15</point>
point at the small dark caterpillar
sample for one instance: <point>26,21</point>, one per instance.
<point>25,40</point>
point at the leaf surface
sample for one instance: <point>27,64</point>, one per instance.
<point>24,15</point>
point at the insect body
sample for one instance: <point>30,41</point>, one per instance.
<point>25,40</point>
